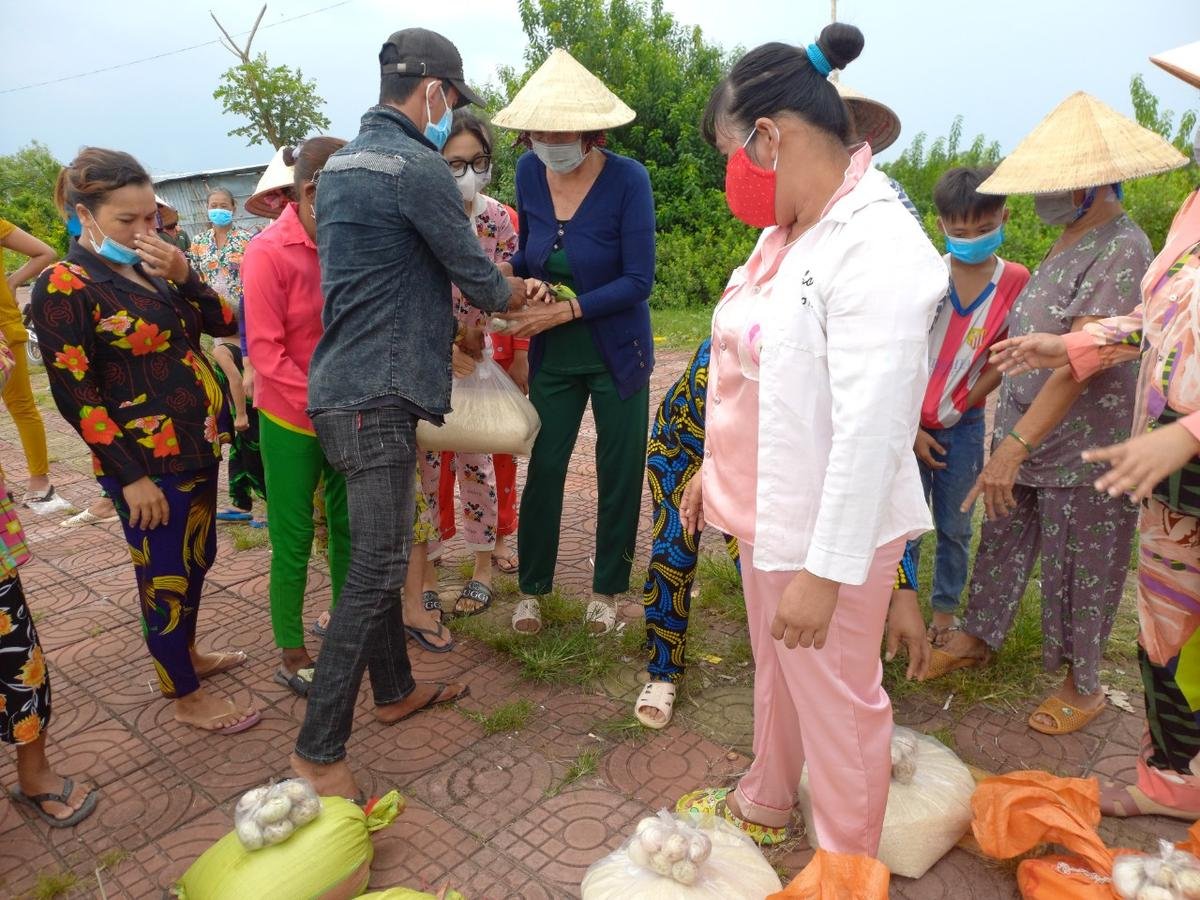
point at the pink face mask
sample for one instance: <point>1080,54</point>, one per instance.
<point>750,189</point>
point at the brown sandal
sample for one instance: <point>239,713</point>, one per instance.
<point>943,663</point>
<point>1067,717</point>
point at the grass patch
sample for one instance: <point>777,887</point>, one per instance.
<point>624,728</point>
<point>466,568</point>
<point>247,538</point>
<point>113,858</point>
<point>504,719</point>
<point>720,587</point>
<point>681,328</point>
<point>51,885</point>
<point>582,766</point>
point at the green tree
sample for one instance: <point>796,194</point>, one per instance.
<point>27,180</point>
<point>280,106</point>
<point>1152,202</point>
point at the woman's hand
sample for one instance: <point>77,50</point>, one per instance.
<point>1018,355</point>
<point>996,480</point>
<point>536,319</point>
<point>906,626</point>
<point>805,610</point>
<point>537,291</point>
<point>1141,463</point>
<point>241,422</point>
<point>162,260</point>
<point>518,370</point>
<point>691,506</point>
<point>471,343</point>
<point>147,504</point>
<point>461,363</point>
<point>925,446</point>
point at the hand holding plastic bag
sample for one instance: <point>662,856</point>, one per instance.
<point>490,415</point>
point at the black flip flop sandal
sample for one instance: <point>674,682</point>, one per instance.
<point>433,701</point>
<point>298,682</point>
<point>431,602</point>
<point>476,592</point>
<point>36,800</point>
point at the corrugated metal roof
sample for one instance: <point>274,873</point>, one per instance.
<point>232,170</point>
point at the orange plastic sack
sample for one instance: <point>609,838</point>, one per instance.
<point>838,876</point>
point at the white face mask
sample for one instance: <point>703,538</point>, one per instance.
<point>560,158</point>
<point>470,183</point>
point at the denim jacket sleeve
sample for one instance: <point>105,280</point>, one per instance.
<point>634,284</point>
<point>436,212</point>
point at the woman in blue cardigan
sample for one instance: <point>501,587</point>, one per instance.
<point>587,229</point>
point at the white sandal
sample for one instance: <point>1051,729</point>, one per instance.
<point>656,695</point>
<point>601,617</point>
<point>87,517</point>
<point>527,617</point>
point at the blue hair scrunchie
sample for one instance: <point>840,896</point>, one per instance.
<point>817,57</point>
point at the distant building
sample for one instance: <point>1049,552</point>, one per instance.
<point>188,193</point>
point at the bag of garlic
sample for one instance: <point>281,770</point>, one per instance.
<point>268,815</point>
<point>927,815</point>
<point>490,415</point>
<point>682,858</point>
<point>1172,875</point>
<point>328,858</point>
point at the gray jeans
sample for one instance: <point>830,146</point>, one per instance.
<point>376,450</point>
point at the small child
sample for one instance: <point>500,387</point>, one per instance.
<point>949,445</point>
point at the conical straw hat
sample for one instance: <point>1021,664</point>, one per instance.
<point>1182,62</point>
<point>563,96</point>
<point>276,177</point>
<point>877,124</point>
<point>1081,144</point>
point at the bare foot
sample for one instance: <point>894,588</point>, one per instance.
<point>424,695</point>
<point>208,713</point>
<point>731,801</point>
<point>1124,801</point>
<point>207,664</point>
<point>294,659</point>
<point>323,620</point>
<point>102,508</point>
<point>965,646</point>
<point>328,779</point>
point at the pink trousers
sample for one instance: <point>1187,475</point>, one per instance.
<point>826,707</point>
<point>477,489</point>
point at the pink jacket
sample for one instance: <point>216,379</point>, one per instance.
<point>281,281</point>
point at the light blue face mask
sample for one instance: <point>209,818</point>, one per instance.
<point>113,251</point>
<point>973,251</point>
<point>220,217</point>
<point>438,132</point>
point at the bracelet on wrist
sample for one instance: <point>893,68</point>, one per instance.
<point>1020,440</point>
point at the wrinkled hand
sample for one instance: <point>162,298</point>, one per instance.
<point>147,504</point>
<point>1018,355</point>
<point>461,363</point>
<point>925,446</point>
<point>996,480</point>
<point>517,293</point>
<point>160,259</point>
<point>906,626</point>
<point>691,506</point>
<point>518,370</point>
<point>1141,463</point>
<point>471,343</point>
<point>538,291</point>
<point>805,610</point>
<point>536,319</point>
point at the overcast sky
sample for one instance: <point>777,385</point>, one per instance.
<point>1002,65</point>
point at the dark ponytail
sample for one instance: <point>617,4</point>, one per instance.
<point>779,78</point>
<point>310,157</point>
<point>94,174</point>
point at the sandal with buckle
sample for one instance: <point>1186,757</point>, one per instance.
<point>658,696</point>
<point>476,592</point>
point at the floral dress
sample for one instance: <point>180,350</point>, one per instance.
<point>221,267</point>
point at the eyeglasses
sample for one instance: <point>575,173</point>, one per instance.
<point>479,165</point>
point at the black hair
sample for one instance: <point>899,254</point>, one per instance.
<point>92,175</point>
<point>777,78</point>
<point>957,197</point>
<point>393,87</point>
<point>465,120</point>
<point>309,157</point>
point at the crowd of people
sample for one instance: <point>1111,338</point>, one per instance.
<point>835,415</point>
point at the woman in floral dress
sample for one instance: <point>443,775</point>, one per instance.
<point>119,323</point>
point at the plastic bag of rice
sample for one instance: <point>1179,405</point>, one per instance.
<point>926,816</point>
<point>490,415</point>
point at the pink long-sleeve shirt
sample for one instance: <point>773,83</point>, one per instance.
<point>281,281</point>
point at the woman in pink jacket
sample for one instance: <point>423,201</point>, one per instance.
<point>282,306</point>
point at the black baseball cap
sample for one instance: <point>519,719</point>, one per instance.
<point>427,54</point>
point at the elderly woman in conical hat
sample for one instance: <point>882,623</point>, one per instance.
<point>1037,487</point>
<point>1159,467</point>
<point>587,230</point>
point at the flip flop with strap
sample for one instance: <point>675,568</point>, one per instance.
<point>1067,717</point>
<point>298,682</point>
<point>529,614</point>
<point>87,517</point>
<point>943,663</point>
<point>317,629</point>
<point>36,801</point>
<point>245,723</point>
<point>711,802</point>
<point>231,515</point>
<point>658,695</point>
<point>600,617</point>
<point>508,564</point>
<point>437,699</point>
<point>431,602</point>
<point>229,660</point>
<point>477,592</point>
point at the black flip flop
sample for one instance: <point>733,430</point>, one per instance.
<point>36,801</point>
<point>477,592</point>
<point>433,701</point>
<point>431,602</point>
<point>295,682</point>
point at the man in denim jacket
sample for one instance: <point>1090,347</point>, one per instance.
<point>392,235</point>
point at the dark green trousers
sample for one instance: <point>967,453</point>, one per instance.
<point>621,426</point>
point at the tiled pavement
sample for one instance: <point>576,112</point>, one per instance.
<point>480,815</point>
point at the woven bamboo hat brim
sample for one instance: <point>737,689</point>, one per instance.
<point>276,177</point>
<point>877,124</point>
<point>1082,143</point>
<point>563,96</point>
<point>1182,62</point>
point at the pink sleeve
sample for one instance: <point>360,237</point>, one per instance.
<point>265,308</point>
<point>1103,344</point>
<point>1192,423</point>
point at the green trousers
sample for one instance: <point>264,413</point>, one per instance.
<point>294,466</point>
<point>621,425</point>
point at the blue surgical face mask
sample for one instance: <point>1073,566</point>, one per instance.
<point>438,132</point>
<point>975,250</point>
<point>111,250</point>
<point>220,217</point>
<point>74,229</point>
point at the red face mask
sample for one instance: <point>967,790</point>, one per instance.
<point>750,189</point>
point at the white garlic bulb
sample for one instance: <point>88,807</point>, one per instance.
<point>274,810</point>
<point>1155,892</point>
<point>653,837</point>
<point>638,854</point>
<point>684,872</point>
<point>249,834</point>
<point>699,848</point>
<point>250,800</point>
<point>675,848</point>
<point>1127,875</point>
<point>295,790</point>
<point>278,832</point>
<point>1187,882</point>
<point>660,864</point>
<point>305,811</point>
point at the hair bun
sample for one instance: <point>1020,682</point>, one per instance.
<point>840,43</point>
<point>289,156</point>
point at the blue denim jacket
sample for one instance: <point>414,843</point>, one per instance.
<point>392,235</point>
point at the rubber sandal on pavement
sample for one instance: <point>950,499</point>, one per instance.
<point>245,723</point>
<point>475,592</point>
<point>943,663</point>
<point>439,697</point>
<point>600,617</point>
<point>1067,717</point>
<point>233,515</point>
<point>508,564</point>
<point>711,802</point>
<point>298,682</point>
<point>432,603</point>
<point>656,695</point>
<point>87,517</point>
<point>37,801</point>
<point>527,617</point>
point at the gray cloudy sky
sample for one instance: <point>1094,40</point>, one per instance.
<point>1003,65</point>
